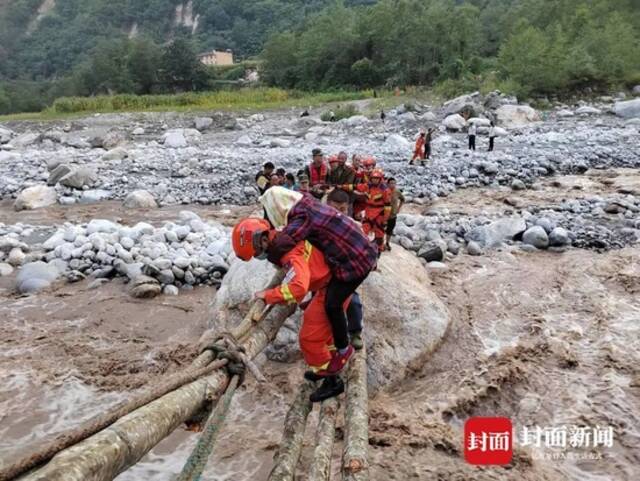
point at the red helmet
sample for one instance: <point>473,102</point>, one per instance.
<point>246,237</point>
<point>369,162</point>
<point>334,159</point>
<point>377,174</point>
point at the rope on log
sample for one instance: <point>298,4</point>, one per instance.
<point>321,466</point>
<point>102,421</point>
<point>354,458</point>
<point>113,450</point>
<point>293,436</point>
<point>197,461</point>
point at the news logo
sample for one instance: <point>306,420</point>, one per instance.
<point>488,441</point>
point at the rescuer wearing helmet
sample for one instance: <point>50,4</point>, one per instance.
<point>307,271</point>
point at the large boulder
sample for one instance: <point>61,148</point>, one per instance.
<point>58,173</point>
<point>636,91</point>
<point>355,120</point>
<point>398,142</point>
<point>628,110</point>
<point>513,116</point>
<point>496,99</point>
<point>5,135</point>
<point>496,232</point>
<point>36,276</point>
<point>24,140</point>
<point>35,197</point>
<point>465,103</point>
<point>402,326</point>
<point>174,139</point>
<point>454,122</point>
<point>202,123</point>
<point>140,199</point>
<point>79,177</point>
<point>536,236</point>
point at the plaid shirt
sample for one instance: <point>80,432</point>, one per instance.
<point>347,250</point>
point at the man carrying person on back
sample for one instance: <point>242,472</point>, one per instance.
<point>307,272</point>
<point>348,252</point>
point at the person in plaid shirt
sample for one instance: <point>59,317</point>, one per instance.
<point>348,252</point>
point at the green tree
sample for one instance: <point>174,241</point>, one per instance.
<point>181,69</point>
<point>143,63</point>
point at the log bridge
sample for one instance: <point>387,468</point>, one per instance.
<point>110,443</point>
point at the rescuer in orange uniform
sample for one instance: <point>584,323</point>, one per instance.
<point>377,205</point>
<point>420,150</point>
<point>368,164</point>
<point>307,272</point>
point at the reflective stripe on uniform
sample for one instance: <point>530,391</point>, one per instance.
<point>308,248</point>
<point>286,294</point>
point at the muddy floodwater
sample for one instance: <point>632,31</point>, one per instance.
<point>546,339</point>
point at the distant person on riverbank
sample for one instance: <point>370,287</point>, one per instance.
<point>472,131</point>
<point>289,181</point>
<point>492,136</point>
<point>427,143</point>
<point>419,150</point>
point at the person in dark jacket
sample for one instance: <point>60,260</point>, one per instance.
<point>263,178</point>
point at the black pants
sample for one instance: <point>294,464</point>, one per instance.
<point>391,225</point>
<point>338,292</point>
<point>354,314</point>
<point>427,151</point>
<point>491,144</point>
<point>472,142</point>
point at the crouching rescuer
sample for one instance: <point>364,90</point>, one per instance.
<point>307,274</point>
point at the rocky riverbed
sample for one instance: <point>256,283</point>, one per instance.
<point>532,250</point>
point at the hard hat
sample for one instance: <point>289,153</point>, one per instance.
<point>377,174</point>
<point>334,159</point>
<point>369,162</point>
<point>246,237</point>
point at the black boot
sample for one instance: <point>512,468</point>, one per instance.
<point>312,376</point>
<point>330,387</point>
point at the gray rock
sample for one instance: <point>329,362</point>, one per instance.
<point>24,140</point>
<point>546,224</point>
<point>455,122</point>
<point>115,154</point>
<point>280,143</point>
<point>35,197</point>
<point>140,199</point>
<point>517,184</point>
<point>559,237</point>
<point>5,269</point>
<point>101,225</point>
<point>166,277</point>
<point>474,249</point>
<point>636,91</point>
<point>495,233</point>
<point>5,135</point>
<point>144,287</point>
<point>36,276</point>
<point>244,141</point>
<point>433,251</point>
<point>97,283</point>
<point>537,237</point>
<point>175,139</point>
<point>79,177</point>
<point>58,173</point>
<point>202,123</point>
<point>514,116</point>
<point>170,291</point>
<point>588,110</point>
<point>94,195</point>
<point>629,109</point>
<point>16,257</point>
<point>464,103</point>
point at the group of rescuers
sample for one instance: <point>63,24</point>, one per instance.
<point>320,231</point>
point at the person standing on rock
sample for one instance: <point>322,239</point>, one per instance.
<point>427,143</point>
<point>472,131</point>
<point>317,172</point>
<point>307,272</point>
<point>263,178</point>
<point>349,253</point>
<point>419,151</point>
<point>492,135</point>
<point>397,201</point>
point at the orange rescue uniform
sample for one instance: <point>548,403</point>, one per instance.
<point>419,152</point>
<point>307,271</point>
<point>376,206</point>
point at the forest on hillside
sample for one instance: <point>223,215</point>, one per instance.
<point>527,47</point>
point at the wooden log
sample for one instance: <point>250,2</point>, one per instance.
<point>110,452</point>
<point>293,435</point>
<point>101,421</point>
<point>321,466</point>
<point>356,442</point>
<point>197,461</point>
